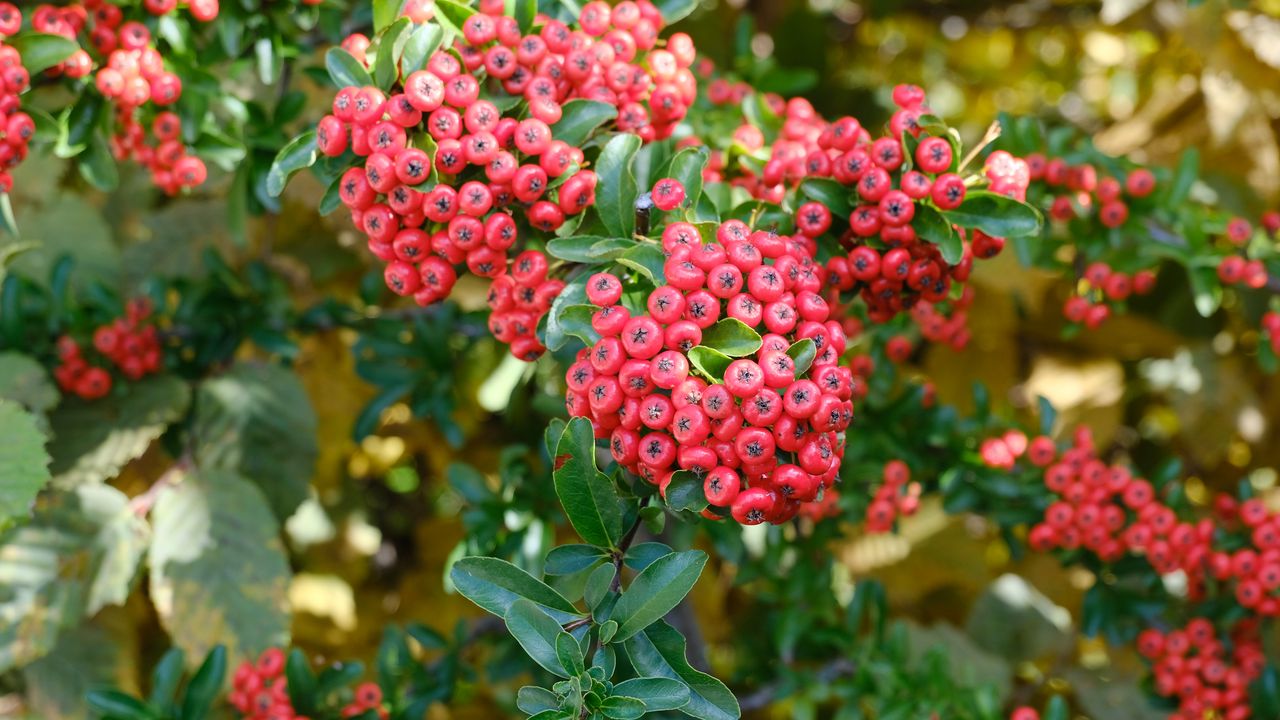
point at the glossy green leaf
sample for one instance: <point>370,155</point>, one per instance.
<point>345,70</point>
<point>570,654</point>
<point>495,584</point>
<point>386,66</point>
<point>422,43</point>
<point>454,12</point>
<point>933,227</point>
<point>995,215</point>
<point>711,363</point>
<point>41,51</point>
<point>299,154</point>
<point>622,708</point>
<point>537,633</point>
<point>589,249</point>
<point>532,700</point>
<point>658,694</point>
<point>685,492</point>
<point>119,706</point>
<point>732,337</point>
<point>803,352</point>
<point>657,590</point>
<point>205,685</point>
<point>832,194</point>
<point>616,193</point>
<point>588,496</point>
<point>580,118</point>
<point>687,166</point>
<point>659,651</point>
<point>646,259</point>
<point>569,559</point>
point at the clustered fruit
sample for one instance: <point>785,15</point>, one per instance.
<point>896,496</point>
<point>1208,674</point>
<point>132,347</point>
<point>260,691</point>
<point>131,74</point>
<point>443,172</point>
<point>1105,509</point>
<point>1102,288</point>
<point>768,438</point>
<point>16,127</point>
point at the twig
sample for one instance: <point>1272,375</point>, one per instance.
<point>142,504</point>
<point>989,137</point>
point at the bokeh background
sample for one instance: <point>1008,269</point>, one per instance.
<point>1146,78</point>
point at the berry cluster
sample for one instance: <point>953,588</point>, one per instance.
<point>1102,288</point>
<point>260,691</point>
<point>768,437</point>
<point>16,127</point>
<point>896,496</point>
<point>1106,510</point>
<point>1207,674</point>
<point>444,171</point>
<point>132,75</point>
<point>132,347</point>
<point>1237,268</point>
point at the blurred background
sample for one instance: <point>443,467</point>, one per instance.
<point>1147,78</point>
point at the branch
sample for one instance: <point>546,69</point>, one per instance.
<point>773,690</point>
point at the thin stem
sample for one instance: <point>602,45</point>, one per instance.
<point>989,137</point>
<point>620,554</point>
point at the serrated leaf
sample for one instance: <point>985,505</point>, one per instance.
<point>616,194</point>
<point>657,590</point>
<point>219,574</point>
<point>299,154</point>
<point>93,441</point>
<point>77,554</point>
<point>24,464</point>
<point>580,118</point>
<point>659,651</point>
<point>537,633</point>
<point>257,421</point>
<point>495,584</point>
<point>587,495</point>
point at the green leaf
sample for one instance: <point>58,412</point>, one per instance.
<point>617,192</point>
<point>1184,177</point>
<point>118,705</point>
<point>525,12</point>
<point>299,154</point>
<point>9,225</point>
<point>385,12</point>
<point>588,495</point>
<point>575,321</point>
<point>589,249</point>
<point>456,13</point>
<point>642,555</point>
<point>205,685</point>
<point>675,10</point>
<point>657,693</point>
<point>257,421</point>
<point>659,651</point>
<point>656,590</point>
<point>1206,289</point>
<point>24,464</point>
<point>386,67</point>
<point>599,583</point>
<point>77,554</point>
<point>89,657</point>
<point>646,259</point>
<point>686,492</point>
<point>41,51</point>
<point>711,363</point>
<point>537,633</point>
<point>569,559</point>
<point>93,441</point>
<point>1047,414</point>
<point>495,584</point>
<point>803,352</point>
<point>96,164</point>
<point>569,653</point>
<point>580,118</point>
<point>345,70</point>
<point>422,43</point>
<point>219,574</point>
<point>532,700</point>
<point>622,708</point>
<point>831,194</point>
<point>732,337</point>
<point>995,215</point>
<point>932,226</point>
<point>687,166</point>
<point>608,629</point>
<point>166,678</point>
